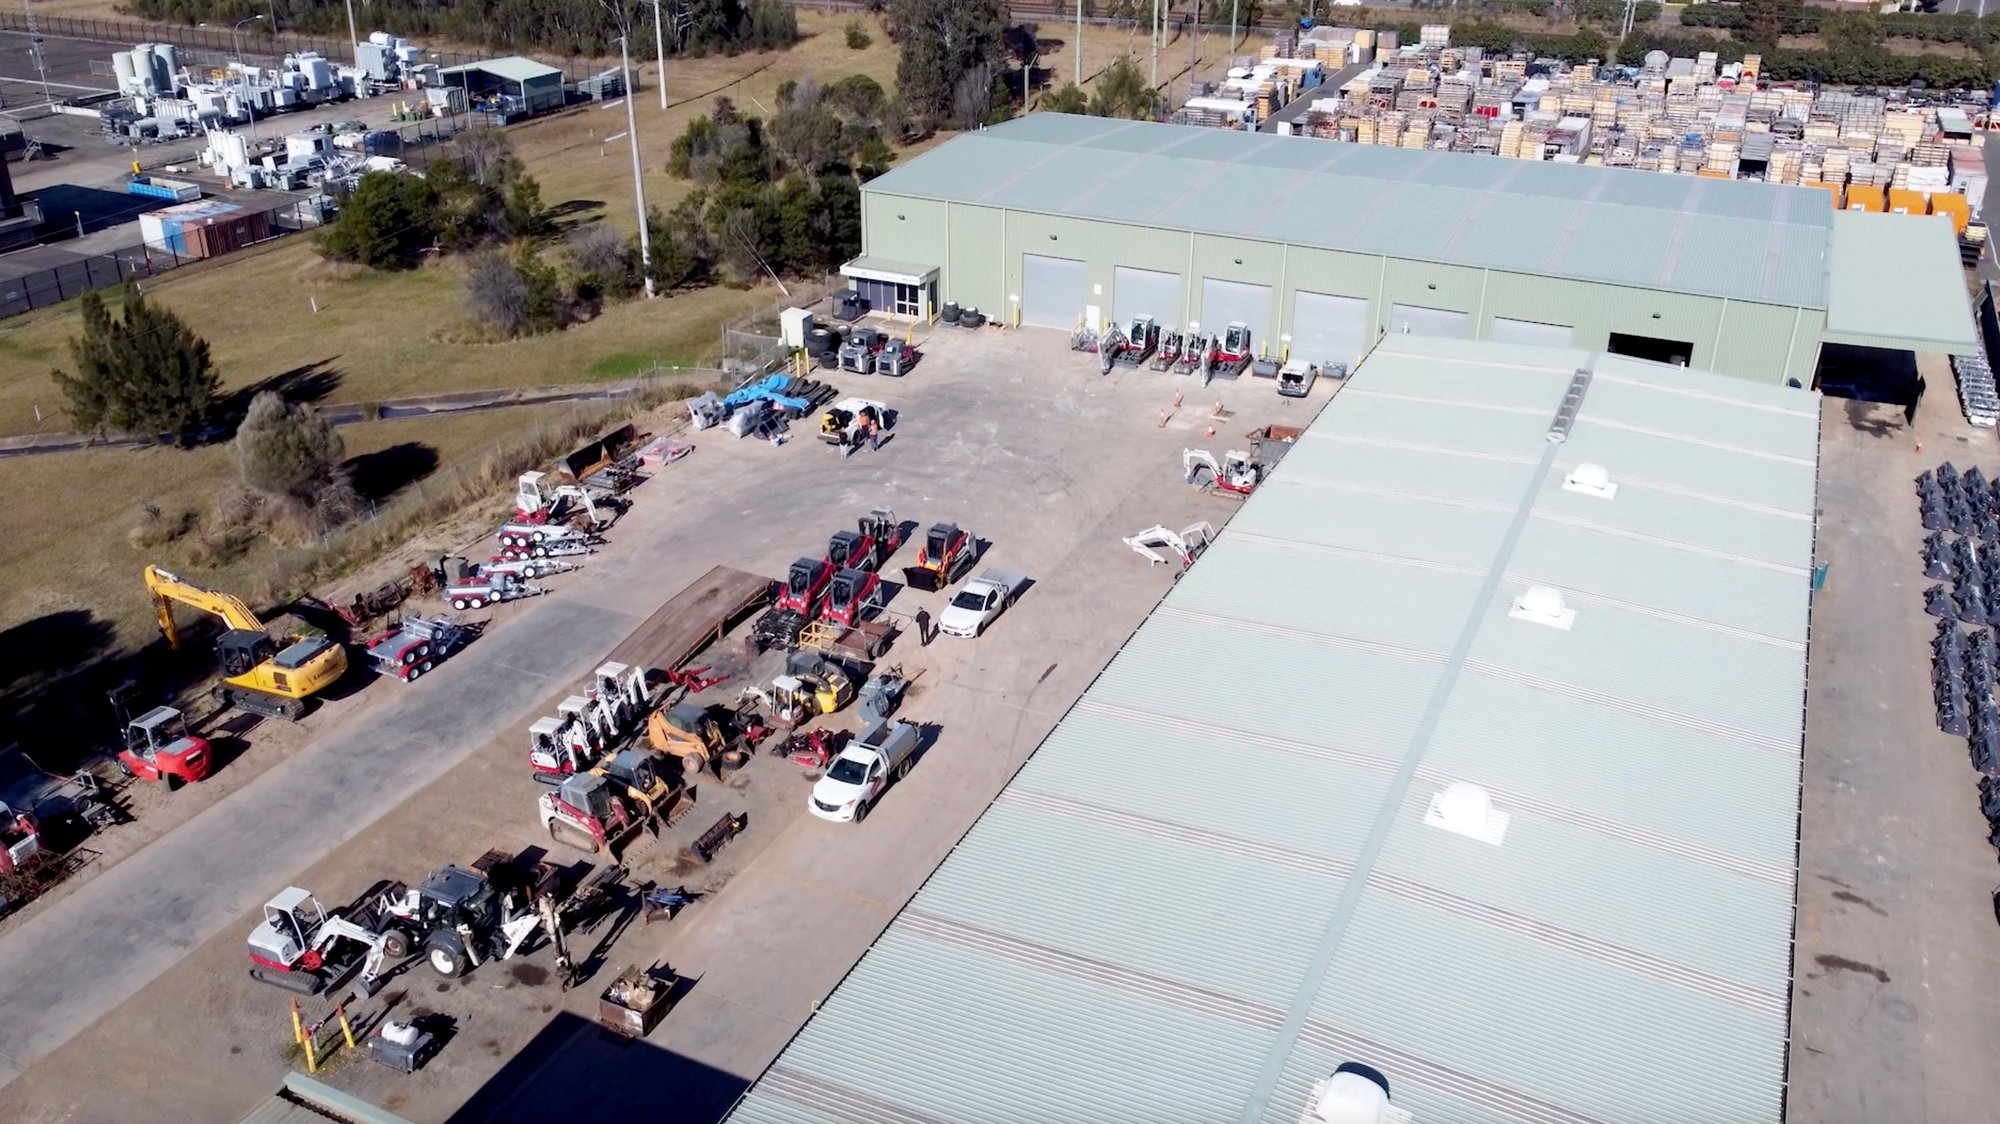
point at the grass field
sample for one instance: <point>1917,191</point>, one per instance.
<point>378,336</point>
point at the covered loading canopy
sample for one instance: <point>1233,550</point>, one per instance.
<point>1895,282</point>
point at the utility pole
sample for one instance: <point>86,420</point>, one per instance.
<point>35,49</point>
<point>1156,44</point>
<point>660,49</point>
<point>1194,39</point>
<point>638,171</point>
<point>1232,26</point>
<point>1077,47</point>
<point>353,36</point>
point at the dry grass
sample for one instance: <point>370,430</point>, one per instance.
<point>67,546</point>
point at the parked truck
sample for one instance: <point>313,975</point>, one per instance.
<point>856,778</point>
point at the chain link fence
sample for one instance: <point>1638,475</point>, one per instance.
<point>752,345</point>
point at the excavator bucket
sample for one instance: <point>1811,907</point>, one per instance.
<point>923,578</point>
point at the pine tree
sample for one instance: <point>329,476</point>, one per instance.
<point>284,449</point>
<point>143,372</point>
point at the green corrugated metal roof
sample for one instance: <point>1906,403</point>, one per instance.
<point>1897,283</point>
<point>1213,882</point>
<point>1737,239</point>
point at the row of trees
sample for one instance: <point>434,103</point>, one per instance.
<point>777,197</point>
<point>1853,56</point>
<point>560,27</point>
<point>476,194</point>
<point>1763,21</point>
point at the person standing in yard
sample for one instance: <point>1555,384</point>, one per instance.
<point>923,628</point>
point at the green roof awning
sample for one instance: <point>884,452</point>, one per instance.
<point>1896,282</point>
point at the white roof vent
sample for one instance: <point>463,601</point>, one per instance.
<point>1355,1094</point>
<point>1591,480</point>
<point>1539,604</point>
<point>1464,808</point>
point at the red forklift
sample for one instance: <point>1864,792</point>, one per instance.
<point>876,538</point>
<point>851,596</point>
<point>804,585</point>
<point>158,746</point>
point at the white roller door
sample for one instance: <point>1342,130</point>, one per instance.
<point>1146,292</point>
<point>1328,329</point>
<point>1230,302</point>
<point>1051,291</point>
<point>1529,331</point>
<point>1415,320</point>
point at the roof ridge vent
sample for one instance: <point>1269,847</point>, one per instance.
<point>1464,808</point>
<point>1572,401</point>
<point>1542,604</point>
<point>1591,480</point>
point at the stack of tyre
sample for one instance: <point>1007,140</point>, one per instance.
<point>1962,554</point>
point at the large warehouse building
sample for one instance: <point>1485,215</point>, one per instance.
<point>1322,249</point>
<point>1469,752</point>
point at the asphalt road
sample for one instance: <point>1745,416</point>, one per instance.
<point>1298,106</point>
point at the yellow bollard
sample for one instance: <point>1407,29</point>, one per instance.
<point>298,1025</point>
<point>312,1055</point>
<point>346,1028</point>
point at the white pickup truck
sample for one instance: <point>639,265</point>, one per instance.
<point>979,601</point>
<point>855,780</point>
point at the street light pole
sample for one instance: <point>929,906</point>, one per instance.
<point>638,172</point>
<point>660,49</point>
<point>1078,45</point>
<point>353,36</point>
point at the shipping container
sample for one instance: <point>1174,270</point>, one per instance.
<point>1832,189</point>
<point>1862,197</point>
<point>1904,201</point>
<point>1953,204</point>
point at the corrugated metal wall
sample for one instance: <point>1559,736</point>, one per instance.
<point>982,250</point>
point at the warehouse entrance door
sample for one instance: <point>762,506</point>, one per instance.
<point>1416,320</point>
<point>1146,292</point>
<point>1051,291</point>
<point>1233,302</point>
<point>1677,352</point>
<point>1328,329</point>
<point>1529,331</point>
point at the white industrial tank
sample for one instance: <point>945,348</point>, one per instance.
<point>128,78</point>
<point>168,66</point>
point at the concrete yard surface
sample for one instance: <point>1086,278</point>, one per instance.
<point>1007,433</point>
<point>1897,954</point>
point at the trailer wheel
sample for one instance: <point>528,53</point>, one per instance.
<point>423,667</point>
<point>448,962</point>
<point>541,550</point>
<point>475,602</point>
<point>410,655</point>
<point>538,535</point>
<point>460,603</point>
<point>411,672</point>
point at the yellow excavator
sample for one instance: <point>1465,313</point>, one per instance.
<point>261,673</point>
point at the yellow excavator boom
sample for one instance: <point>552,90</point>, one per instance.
<point>167,589</point>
